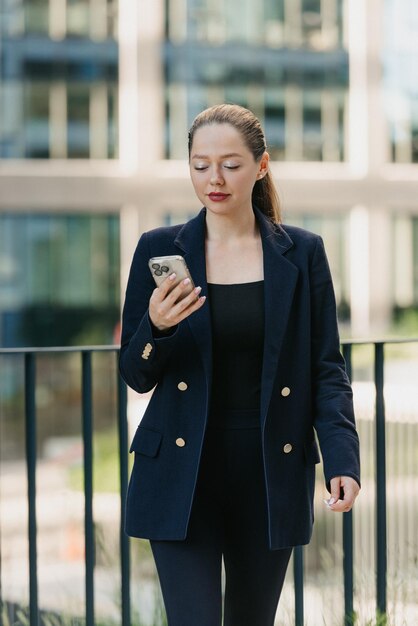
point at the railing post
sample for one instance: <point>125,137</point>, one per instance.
<point>298,581</point>
<point>123,472</point>
<point>381,547</point>
<point>87,416</point>
<point>348,556</point>
<point>30,435</point>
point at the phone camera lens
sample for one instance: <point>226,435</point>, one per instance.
<point>155,266</point>
<point>164,268</point>
<point>158,273</point>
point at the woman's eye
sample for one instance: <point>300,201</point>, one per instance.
<point>200,168</point>
<point>231,167</point>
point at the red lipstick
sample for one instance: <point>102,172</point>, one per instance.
<point>218,197</point>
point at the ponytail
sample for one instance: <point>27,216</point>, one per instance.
<point>266,198</point>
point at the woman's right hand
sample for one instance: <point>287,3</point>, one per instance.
<point>166,309</point>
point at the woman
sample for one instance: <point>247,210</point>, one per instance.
<point>245,367</point>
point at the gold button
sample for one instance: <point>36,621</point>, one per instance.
<point>182,386</point>
<point>148,348</point>
<point>287,448</point>
<point>180,442</point>
<point>285,391</point>
<point>144,356</point>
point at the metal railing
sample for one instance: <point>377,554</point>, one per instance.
<point>30,356</point>
<point>30,361</point>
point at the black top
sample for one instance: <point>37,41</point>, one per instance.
<point>237,313</point>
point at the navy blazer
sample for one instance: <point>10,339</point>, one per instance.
<point>304,385</point>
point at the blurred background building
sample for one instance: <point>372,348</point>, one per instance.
<point>96,98</point>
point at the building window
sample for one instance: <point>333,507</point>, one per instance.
<point>58,79</point>
<point>36,14</point>
<point>400,84</point>
<point>283,60</point>
<point>59,279</point>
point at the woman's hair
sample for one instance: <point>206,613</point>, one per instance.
<point>264,194</point>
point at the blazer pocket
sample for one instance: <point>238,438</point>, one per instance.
<point>311,452</point>
<point>146,441</point>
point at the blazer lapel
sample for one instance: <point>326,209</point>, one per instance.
<point>191,241</point>
<point>280,278</point>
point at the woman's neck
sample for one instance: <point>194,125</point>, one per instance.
<point>225,228</point>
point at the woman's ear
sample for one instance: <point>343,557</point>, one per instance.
<point>264,165</point>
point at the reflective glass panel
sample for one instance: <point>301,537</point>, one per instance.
<point>284,60</point>
<point>58,79</point>
<point>59,279</point>
<point>400,78</point>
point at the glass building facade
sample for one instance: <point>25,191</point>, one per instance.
<point>301,65</point>
<point>400,78</point>
<point>59,279</point>
<point>287,61</point>
<point>58,79</point>
<point>59,271</point>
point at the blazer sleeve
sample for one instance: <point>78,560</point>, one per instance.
<point>332,400</point>
<point>144,352</point>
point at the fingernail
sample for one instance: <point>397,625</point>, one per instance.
<point>331,501</point>
<point>172,276</point>
<point>198,290</point>
<point>186,281</point>
<point>202,298</point>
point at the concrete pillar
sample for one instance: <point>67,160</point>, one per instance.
<point>151,84</point>
<point>370,239</point>
<point>358,119</point>
<point>141,84</point>
<point>380,270</point>
<point>128,86</point>
<point>129,229</point>
<point>98,126</point>
<point>403,279</point>
<point>178,127</point>
<point>359,271</point>
<point>371,251</point>
<point>293,104</point>
<point>57,19</point>
<point>329,22</point>
<point>367,137</point>
<point>98,20</point>
<point>293,23</point>
<point>329,125</point>
<point>58,139</point>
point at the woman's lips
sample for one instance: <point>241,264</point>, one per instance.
<point>218,197</point>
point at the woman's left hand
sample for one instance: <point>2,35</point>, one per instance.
<point>349,487</point>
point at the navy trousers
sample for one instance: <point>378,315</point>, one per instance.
<point>229,521</point>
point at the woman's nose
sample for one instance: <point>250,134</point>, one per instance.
<point>216,177</point>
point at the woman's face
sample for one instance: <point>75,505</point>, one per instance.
<point>223,170</point>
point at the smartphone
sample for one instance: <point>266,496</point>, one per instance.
<point>162,266</point>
